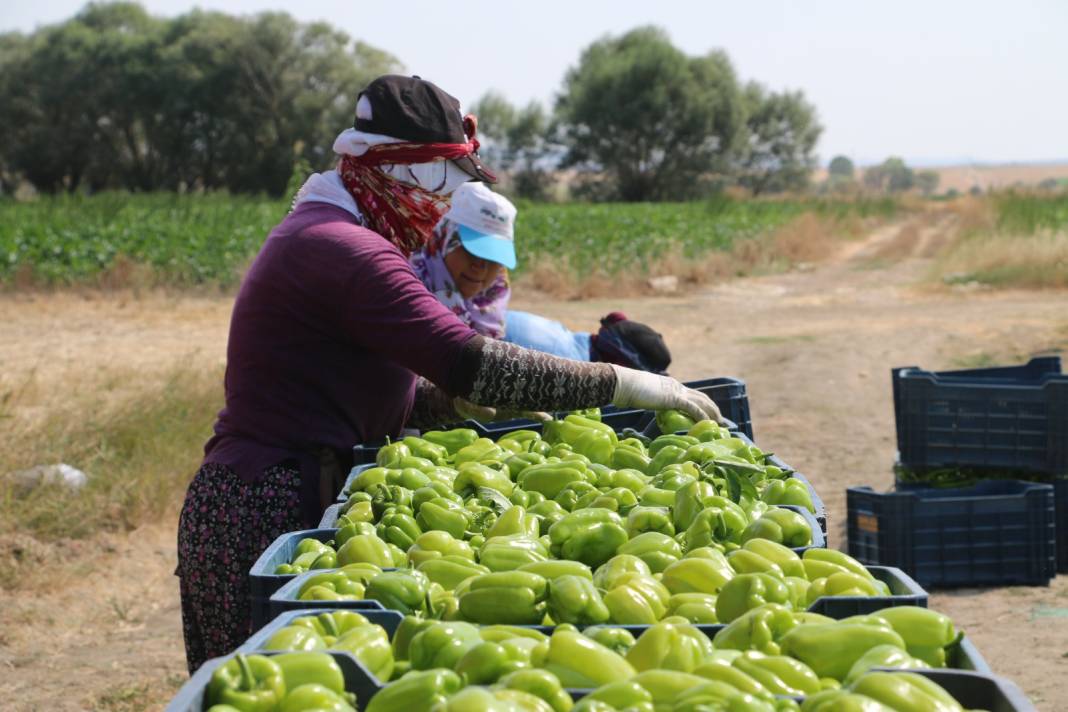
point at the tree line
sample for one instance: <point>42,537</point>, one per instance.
<point>115,98</point>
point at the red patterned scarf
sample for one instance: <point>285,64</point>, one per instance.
<point>402,213</point>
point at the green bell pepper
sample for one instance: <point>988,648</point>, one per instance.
<point>473,475</point>
<point>609,574</point>
<point>906,692</point>
<point>780,525</point>
<point>507,553</point>
<point>550,478</point>
<point>630,458</point>
<point>450,570</point>
<point>403,591</point>
<point>542,684</point>
<point>785,558</point>
<point>672,421</point>
<point>406,631</point>
<point>569,496</point>
<point>618,640</point>
<point>883,656</point>
<point>418,691</point>
<point>442,645</point>
<point>591,536</point>
<point>578,661</point>
<point>642,519</point>
<point>689,500</point>
<point>312,696</point>
<point>637,599</point>
<point>555,568</point>
<point>694,607</point>
<point>365,549</point>
<point>433,491</point>
<point>844,583</point>
<point>251,683</point>
<point>721,522</point>
<point>444,515</point>
<point>515,521</point>
<point>745,592</point>
<point>657,550</point>
<point>437,544</point>
<point>668,646</point>
<point>518,464</point>
<point>699,574</point>
<point>667,455</point>
<point>779,674</point>
<point>512,597</point>
<point>760,629</point>
<point>398,528</point>
<point>304,668</point>
<point>926,633</point>
<point>788,491</point>
<point>420,447</point>
<point>482,450</point>
<point>747,561</point>
<point>832,649</point>
<point>486,662</point>
<point>452,440</point>
<point>389,455</point>
<point>574,599</point>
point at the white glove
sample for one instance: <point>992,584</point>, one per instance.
<point>467,409</point>
<point>641,389</point>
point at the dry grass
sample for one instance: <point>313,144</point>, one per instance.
<point>139,452</point>
<point>982,251</point>
<point>807,238</point>
<point>1035,261</point>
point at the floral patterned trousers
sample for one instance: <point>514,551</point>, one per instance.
<point>226,523</point>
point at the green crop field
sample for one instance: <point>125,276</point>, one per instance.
<point>207,239</point>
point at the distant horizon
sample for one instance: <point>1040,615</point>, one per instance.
<point>956,82</point>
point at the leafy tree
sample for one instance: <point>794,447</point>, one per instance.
<point>517,142</point>
<point>654,120</point>
<point>841,166</point>
<point>892,175</point>
<point>782,131</point>
<point>927,181</point>
<point>117,98</point>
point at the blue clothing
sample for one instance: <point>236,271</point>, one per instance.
<point>536,332</point>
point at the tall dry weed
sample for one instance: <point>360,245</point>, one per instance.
<point>139,453</point>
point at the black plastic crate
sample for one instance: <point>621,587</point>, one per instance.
<point>263,581</point>
<point>190,697</point>
<point>1060,505</point>
<point>997,532</point>
<point>1009,417</point>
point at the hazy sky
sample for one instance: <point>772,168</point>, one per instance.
<point>932,81</point>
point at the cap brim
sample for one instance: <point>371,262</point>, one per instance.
<point>472,166</point>
<point>492,248</point>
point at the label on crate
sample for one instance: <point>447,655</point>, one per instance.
<point>868,523</point>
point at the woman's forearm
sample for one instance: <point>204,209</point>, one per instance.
<point>432,407</point>
<point>502,375</point>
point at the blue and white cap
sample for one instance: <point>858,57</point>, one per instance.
<point>486,223</point>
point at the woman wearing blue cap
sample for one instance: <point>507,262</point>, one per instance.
<point>465,265</point>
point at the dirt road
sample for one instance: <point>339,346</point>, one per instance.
<point>815,346</point>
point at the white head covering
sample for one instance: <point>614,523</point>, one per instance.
<point>441,177</point>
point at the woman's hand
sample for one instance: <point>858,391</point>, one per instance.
<point>641,389</point>
<point>486,414</point>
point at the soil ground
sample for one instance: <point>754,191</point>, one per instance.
<point>815,347</point>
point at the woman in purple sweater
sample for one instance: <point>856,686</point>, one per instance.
<point>335,341</point>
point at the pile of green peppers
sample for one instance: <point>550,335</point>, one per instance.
<point>578,492</point>
<point>673,666</point>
